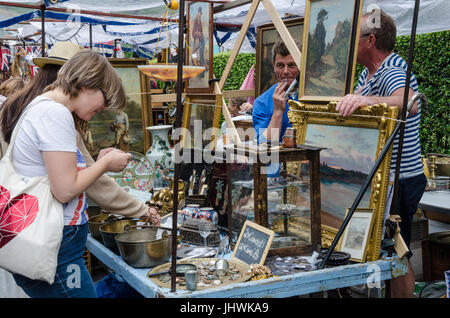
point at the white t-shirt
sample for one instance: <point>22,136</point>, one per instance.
<point>48,126</point>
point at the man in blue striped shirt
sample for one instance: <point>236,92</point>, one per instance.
<point>383,81</point>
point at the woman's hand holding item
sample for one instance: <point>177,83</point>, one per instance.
<point>116,160</point>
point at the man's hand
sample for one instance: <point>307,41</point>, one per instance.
<point>246,107</point>
<point>279,102</point>
<point>349,103</point>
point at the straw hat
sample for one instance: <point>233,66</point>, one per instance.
<point>59,54</point>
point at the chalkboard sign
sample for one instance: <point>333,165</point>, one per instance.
<point>253,244</point>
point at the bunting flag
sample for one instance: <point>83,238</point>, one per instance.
<point>105,48</point>
<point>6,58</point>
<point>33,51</point>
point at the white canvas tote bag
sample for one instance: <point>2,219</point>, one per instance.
<point>31,221</point>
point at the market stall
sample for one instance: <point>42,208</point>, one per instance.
<point>270,199</point>
<point>211,191</point>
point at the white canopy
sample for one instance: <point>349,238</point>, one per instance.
<point>434,15</point>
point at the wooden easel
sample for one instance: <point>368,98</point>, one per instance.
<point>285,36</point>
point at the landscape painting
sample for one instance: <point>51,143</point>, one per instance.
<point>345,165</point>
<point>353,144</point>
<point>326,54</point>
<point>356,234</point>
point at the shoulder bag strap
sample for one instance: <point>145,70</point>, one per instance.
<point>8,153</point>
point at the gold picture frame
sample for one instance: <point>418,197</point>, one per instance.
<point>355,238</point>
<point>353,144</point>
<point>330,26</point>
<point>200,45</point>
<point>206,109</point>
<point>138,109</point>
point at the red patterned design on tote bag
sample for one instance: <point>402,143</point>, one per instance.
<point>16,214</point>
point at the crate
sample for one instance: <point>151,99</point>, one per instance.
<point>419,229</point>
<point>436,256</point>
<point>189,232</point>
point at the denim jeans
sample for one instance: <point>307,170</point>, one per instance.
<point>72,278</point>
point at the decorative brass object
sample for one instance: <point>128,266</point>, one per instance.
<point>162,199</point>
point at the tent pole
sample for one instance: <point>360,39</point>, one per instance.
<point>43,30</point>
<point>393,209</point>
<point>97,13</point>
<point>179,113</point>
<point>90,36</point>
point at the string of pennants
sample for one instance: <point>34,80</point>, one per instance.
<point>9,54</point>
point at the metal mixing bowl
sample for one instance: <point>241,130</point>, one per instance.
<point>110,230</point>
<point>140,248</point>
<point>96,221</point>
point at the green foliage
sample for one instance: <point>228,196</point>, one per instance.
<point>431,66</point>
<point>239,71</point>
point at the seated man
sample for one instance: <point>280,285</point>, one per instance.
<point>383,81</point>
<point>270,109</point>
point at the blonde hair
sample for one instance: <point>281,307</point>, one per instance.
<point>88,69</point>
<point>11,86</point>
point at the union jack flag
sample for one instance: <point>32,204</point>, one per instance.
<point>35,51</point>
<point>5,58</point>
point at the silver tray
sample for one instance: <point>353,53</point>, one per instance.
<point>189,251</point>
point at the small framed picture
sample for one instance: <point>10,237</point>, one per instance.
<point>329,49</point>
<point>355,238</point>
<point>200,45</point>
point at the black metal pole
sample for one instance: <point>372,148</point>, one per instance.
<point>90,36</point>
<point>179,113</point>
<point>393,209</point>
<point>43,30</point>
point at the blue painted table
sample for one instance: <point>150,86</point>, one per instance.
<point>277,287</point>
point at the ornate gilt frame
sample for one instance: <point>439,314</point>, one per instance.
<point>376,117</point>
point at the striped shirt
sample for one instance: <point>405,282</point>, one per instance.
<point>389,77</point>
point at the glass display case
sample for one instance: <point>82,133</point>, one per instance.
<point>282,196</point>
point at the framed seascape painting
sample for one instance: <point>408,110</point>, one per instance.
<point>356,235</point>
<point>124,129</point>
<point>352,145</point>
<point>266,37</point>
<point>329,49</point>
<point>200,45</point>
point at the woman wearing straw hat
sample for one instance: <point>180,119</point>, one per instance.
<point>104,191</point>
